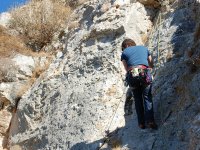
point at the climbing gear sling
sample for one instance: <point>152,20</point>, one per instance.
<point>139,76</point>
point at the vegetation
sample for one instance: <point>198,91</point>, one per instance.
<point>10,44</point>
<point>38,21</point>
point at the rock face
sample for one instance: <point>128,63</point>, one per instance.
<point>74,102</point>
<point>176,92</point>
<point>82,94</point>
<point>4,19</point>
<point>17,73</point>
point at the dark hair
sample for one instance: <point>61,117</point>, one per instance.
<point>127,42</point>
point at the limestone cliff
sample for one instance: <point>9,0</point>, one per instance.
<point>82,94</point>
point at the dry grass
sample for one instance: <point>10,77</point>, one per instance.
<point>38,21</point>
<point>73,25</point>
<point>115,144</point>
<point>9,44</point>
<point>72,3</point>
<point>144,38</point>
<point>150,3</point>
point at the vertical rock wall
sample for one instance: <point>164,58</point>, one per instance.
<point>176,92</point>
<point>73,103</point>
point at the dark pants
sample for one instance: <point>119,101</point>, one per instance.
<point>143,104</point>
<point>143,100</point>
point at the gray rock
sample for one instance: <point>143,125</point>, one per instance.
<point>25,64</point>
<point>4,19</point>
<point>82,95</point>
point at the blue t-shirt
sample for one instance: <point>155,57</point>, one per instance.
<point>135,55</point>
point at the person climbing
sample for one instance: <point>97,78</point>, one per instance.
<point>137,62</point>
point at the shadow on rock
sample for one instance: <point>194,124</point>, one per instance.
<point>129,136</point>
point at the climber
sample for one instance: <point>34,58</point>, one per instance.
<point>137,62</point>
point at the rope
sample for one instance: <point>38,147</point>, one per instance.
<point>158,44</point>
<point>109,124</point>
<point>156,27</point>
<point>151,34</point>
<point>158,62</point>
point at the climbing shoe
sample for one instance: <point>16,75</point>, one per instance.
<point>153,125</point>
<point>142,126</point>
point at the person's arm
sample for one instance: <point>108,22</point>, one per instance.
<point>125,65</point>
<point>150,61</point>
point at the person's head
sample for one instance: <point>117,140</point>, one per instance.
<point>127,43</point>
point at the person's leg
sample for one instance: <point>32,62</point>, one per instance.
<point>139,106</point>
<point>128,102</point>
<point>148,107</point>
<point>134,83</point>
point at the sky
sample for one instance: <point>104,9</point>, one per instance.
<point>5,5</point>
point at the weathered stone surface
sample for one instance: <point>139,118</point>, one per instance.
<point>175,87</point>
<point>81,95</point>
<point>4,19</point>
<point>5,119</point>
<point>121,2</point>
<point>15,73</point>
<point>16,77</point>
<point>73,104</point>
<point>24,63</point>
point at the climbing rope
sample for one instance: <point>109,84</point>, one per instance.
<point>156,27</point>
<point>110,123</point>
<point>115,111</point>
<point>158,43</point>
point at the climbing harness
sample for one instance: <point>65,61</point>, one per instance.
<point>143,74</point>
<point>107,138</point>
